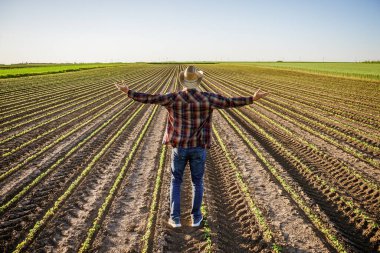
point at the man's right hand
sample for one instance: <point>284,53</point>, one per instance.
<point>122,87</point>
<point>259,94</point>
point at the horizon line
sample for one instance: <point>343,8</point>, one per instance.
<point>121,62</point>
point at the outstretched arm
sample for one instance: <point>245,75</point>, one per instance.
<point>144,97</point>
<point>259,94</point>
<point>221,102</point>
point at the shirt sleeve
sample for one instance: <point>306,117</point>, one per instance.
<point>218,101</point>
<point>145,98</point>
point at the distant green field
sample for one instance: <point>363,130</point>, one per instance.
<point>19,70</point>
<point>349,69</point>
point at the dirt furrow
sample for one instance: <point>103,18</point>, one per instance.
<point>356,147</point>
<point>185,238</point>
<point>248,85</point>
<point>329,168</point>
<point>124,225</point>
<point>33,168</point>
<point>282,213</point>
<point>66,231</point>
<point>338,154</point>
<point>18,154</point>
<point>233,226</point>
<point>42,196</point>
<point>286,86</point>
<point>31,101</point>
<point>361,236</point>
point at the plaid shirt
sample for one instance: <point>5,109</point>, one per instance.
<point>190,113</point>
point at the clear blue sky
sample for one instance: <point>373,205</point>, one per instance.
<point>215,30</point>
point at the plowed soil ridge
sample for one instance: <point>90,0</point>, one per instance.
<point>31,207</point>
<point>75,216</point>
<point>329,168</point>
<point>314,101</point>
<point>312,124</point>
<point>309,163</point>
<point>39,143</point>
<point>128,213</point>
<point>339,214</point>
<point>233,226</point>
<point>185,238</point>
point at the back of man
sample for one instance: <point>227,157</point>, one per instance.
<point>190,117</point>
<point>188,131</point>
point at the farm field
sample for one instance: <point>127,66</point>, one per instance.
<point>83,168</point>
<point>360,70</point>
<point>18,70</point>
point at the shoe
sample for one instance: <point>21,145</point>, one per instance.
<point>196,222</point>
<point>175,223</point>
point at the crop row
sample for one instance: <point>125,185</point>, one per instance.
<point>21,88</point>
<point>310,177</point>
<point>152,217</point>
<point>51,168</point>
<point>50,102</point>
<point>312,85</point>
<point>60,138</point>
<point>302,126</point>
<point>260,218</point>
<point>31,100</point>
<point>61,159</point>
<point>336,166</point>
<point>315,127</point>
<point>66,109</point>
<point>292,94</point>
<point>79,90</point>
<point>291,99</point>
<point>77,180</point>
<point>102,211</point>
<point>104,95</point>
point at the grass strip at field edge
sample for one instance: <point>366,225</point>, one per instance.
<point>355,76</point>
<point>45,70</point>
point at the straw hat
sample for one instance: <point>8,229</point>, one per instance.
<point>191,77</point>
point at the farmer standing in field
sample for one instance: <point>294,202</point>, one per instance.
<point>188,131</point>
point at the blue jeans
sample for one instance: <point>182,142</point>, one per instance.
<point>197,158</point>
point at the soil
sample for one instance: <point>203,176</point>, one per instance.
<point>346,204</point>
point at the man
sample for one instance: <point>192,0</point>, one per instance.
<point>188,131</point>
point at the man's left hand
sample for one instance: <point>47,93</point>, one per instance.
<point>259,94</point>
<point>122,87</point>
